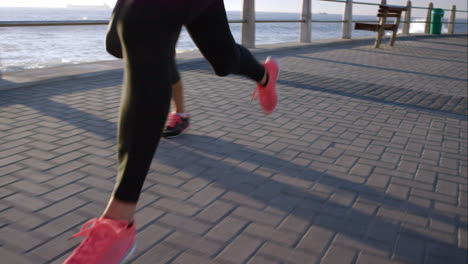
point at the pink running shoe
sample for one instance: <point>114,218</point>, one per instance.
<point>176,125</point>
<point>106,241</point>
<point>267,94</point>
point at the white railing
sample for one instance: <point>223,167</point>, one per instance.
<point>249,21</point>
<point>407,19</point>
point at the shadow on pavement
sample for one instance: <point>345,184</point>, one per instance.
<point>305,202</point>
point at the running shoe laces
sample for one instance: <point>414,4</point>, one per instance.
<point>254,94</point>
<point>99,234</point>
<point>174,119</point>
<point>267,95</point>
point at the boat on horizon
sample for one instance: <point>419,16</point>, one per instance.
<point>104,5</point>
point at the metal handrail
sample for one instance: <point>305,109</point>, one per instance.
<point>279,21</point>
<point>375,4</point>
<point>66,23</point>
<point>53,23</point>
<point>106,22</point>
<point>238,21</point>
<point>249,21</point>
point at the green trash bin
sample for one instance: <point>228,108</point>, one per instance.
<point>436,21</point>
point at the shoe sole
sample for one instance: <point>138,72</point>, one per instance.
<point>129,254</point>
<point>276,81</point>
<point>277,78</point>
<point>172,137</point>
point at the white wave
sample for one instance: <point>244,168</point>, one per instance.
<point>419,27</point>
<point>184,50</point>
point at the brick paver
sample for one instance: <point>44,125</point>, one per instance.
<point>365,161</point>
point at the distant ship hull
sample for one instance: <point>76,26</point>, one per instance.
<point>88,6</point>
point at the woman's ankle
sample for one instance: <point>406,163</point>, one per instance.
<point>264,80</point>
<point>120,210</point>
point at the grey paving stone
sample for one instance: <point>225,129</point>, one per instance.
<point>10,256</point>
<point>316,240</point>
<point>184,223</point>
<point>363,162</point>
<point>337,254</point>
<point>188,258</point>
<point>158,254</point>
<point>240,250</point>
<point>287,255</point>
<point>227,229</point>
<point>192,242</point>
<point>216,211</point>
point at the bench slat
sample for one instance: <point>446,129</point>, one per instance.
<point>373,27</point>
<point>385,12</point>
<point>389,15</point>
<point>391,8</point>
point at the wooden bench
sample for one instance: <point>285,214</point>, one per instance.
<point>385,11</point>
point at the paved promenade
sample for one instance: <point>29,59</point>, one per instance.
<point>364,162</point>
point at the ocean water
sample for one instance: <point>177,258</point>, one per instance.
<point>38,47</point>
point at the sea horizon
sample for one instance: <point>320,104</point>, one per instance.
<point>40,47</point>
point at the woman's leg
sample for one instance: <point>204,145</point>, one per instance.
<point>178,97</point>
<point>149,37</point>
<point>178,120</point>
<point>211,33</point>
<point>113,45</point>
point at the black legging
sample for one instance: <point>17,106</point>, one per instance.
<point>148,31</point>
<point>114,47</point>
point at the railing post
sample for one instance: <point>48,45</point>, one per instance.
<point>407,24</point>
<point>383,2</point>
<point>428,18</point>
<point>306,25</point>
<point>248,27</point>
<point>451,26</point>
<point>348,20</point>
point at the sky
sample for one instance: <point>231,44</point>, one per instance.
<point>291,6</point>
